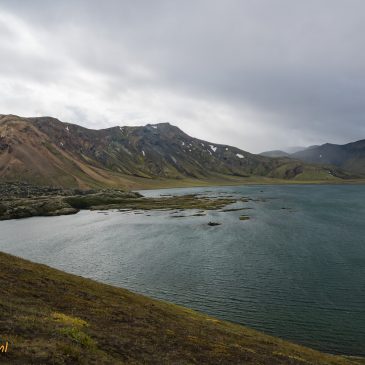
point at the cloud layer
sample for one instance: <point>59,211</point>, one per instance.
<point>252,73</point>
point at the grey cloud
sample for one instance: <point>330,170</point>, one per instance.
<point>254,73</point>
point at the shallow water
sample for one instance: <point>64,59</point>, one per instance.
<point>297,272</point>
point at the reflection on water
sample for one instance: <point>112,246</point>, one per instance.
<point>296,269</point>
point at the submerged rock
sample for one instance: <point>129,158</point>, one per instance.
<point>214,224</point>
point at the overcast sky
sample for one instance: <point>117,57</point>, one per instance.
<point>256,74</point>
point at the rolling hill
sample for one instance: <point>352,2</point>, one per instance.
<point>46,151</point>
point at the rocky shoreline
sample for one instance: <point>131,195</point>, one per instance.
<point>21,200</point>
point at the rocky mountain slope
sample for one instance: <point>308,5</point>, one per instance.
<point>46,151</point>
<point>349,156</point>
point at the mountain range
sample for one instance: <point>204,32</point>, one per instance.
<point>350,156</point>
<point>46,151</point>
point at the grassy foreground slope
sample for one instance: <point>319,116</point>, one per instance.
<point>50,317</point>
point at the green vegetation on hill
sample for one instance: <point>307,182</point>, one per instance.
<point>51,317</point>
<point>24,200</point>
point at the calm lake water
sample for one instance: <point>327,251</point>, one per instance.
<point>297,273</point>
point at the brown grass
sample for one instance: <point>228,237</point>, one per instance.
<point>50,317</point>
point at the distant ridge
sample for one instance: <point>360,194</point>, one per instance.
<point>350,156</point>
<point>47,151</point>
<point>275,153</point>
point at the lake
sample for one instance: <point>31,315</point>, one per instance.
<point>296,269</point>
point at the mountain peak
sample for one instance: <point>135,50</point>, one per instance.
<point>164,124</point>
<point>47,151</point>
